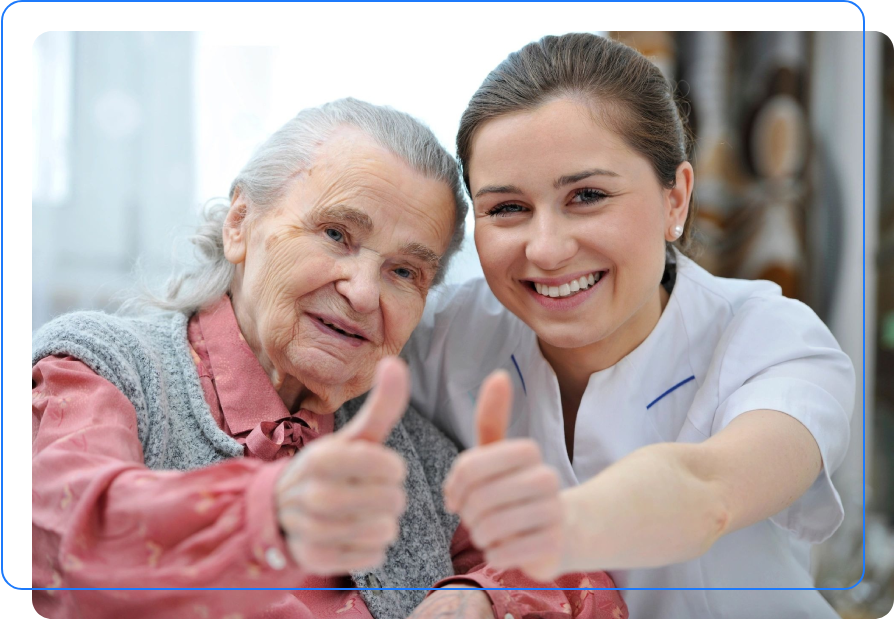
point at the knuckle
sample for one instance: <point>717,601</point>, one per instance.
<point>485,532</point>
<point>460,470</point>
<point>293,525</point>
<point>315,455</point>
<point>546,478</point>
<point>471,515</point>
<point>324,556</point>
<point>556,508</point>
<point>287,519</point>
<point>473,506</point>
<point>477,538</point>
<point>371,560</point>
<point>315,495</point>
<point>391,465</point>
<point>400,468</point>
<point>499,557</point>
<point>529,449</point>
<point>311,529</point>
<point>387,530</point>
<point>398,501</point>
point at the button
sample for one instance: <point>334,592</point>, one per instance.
<point>508,616</point>
<point>374,582</point>
<point>275,559</point>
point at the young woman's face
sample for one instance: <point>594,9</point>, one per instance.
<point>571,223</point>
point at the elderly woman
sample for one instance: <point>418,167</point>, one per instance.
<point>317,271</point>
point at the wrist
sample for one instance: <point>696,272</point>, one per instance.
<point>459,600</point>
<point>571,534</point>
<point>574,555</point>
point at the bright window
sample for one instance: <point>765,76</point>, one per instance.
<point>51,119</point>
<point>244,93</point>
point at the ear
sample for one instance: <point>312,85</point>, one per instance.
<point>235,228</point>
<point>678,200</point>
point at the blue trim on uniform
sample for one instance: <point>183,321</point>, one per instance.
<point>677,386</point>
<point>522,378</point>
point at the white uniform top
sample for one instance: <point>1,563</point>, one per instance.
<point>722,347</point>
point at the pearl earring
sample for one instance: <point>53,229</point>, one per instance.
<point>678,231</point>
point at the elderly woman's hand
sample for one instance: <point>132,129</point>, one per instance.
<point>455,602</point>
<point>340,499</point>
<point>507,497</point>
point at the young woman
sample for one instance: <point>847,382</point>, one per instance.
<point>693,421</point>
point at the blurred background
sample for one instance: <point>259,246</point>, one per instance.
<point>134,131</point>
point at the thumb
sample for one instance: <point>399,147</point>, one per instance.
<point>385,404</point>
<point>494,406</point>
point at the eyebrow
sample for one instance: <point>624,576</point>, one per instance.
<point>497,189</point>
<point>570,179</point>
<point>423,253</point>
<point>346,214</point>
<point>560,182</point>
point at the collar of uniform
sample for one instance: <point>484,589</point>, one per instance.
<point>653,360</point>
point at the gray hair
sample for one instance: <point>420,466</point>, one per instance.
<point>265,179</point>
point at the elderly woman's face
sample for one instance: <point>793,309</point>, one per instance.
<point>334,277</point>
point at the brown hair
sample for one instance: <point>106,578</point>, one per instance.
<point>638,102</point>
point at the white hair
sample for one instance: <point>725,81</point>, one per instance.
<point>266,176</point>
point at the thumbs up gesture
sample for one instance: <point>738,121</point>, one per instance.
<point>339,500</point>
<point>507,497</point>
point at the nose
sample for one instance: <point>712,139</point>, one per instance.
<point>360,285</point>
<point>552,242</point>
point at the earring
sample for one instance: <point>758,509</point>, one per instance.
<point>678,231</point>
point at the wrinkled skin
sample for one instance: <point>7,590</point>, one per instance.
<point>313,255</point>
<point>354,242</point>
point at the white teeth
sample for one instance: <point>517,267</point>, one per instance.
<point>575,285</point>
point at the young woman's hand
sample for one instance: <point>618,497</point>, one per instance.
<point>507,497</point>
<point>339,500</point>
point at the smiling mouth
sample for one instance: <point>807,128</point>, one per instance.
<point>340,330</point>
<point>569,288</point>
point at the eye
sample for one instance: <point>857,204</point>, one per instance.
<point>335,234</point>
<point>589,196</point>
<point>503,210</point>
<point>404,273</point>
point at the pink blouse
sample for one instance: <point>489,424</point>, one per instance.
<point>102,519</point>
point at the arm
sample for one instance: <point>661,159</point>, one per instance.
<point>676,500</point>
<point>102,519</point>
<point>667,503</point>
<point>510,591</point>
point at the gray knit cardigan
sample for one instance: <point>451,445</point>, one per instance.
<point>148,360</point>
